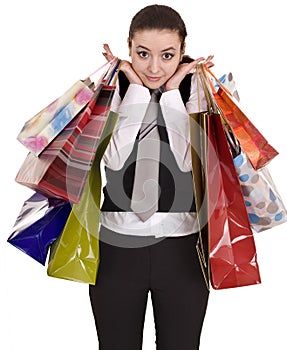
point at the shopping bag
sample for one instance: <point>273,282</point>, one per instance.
<point>254,144</point>
<point>41,129</point>
<point>233,257</point>
<point>198,141</point>
<point>75,254</point>
<point>231,248</point>
<point>227,80</point>
<point>62,168</point>
<point>38,225</point>
<point>264,204</point>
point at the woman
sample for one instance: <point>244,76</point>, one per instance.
<point>155,253</point>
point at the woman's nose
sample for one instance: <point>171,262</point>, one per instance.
<point>154,65</point>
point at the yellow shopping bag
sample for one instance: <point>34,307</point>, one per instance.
<point>75,254</point>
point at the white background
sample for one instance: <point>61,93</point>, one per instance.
<point>45,47</point>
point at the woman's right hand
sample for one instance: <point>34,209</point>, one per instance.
<point>184,69</point>
<point>125,66</point>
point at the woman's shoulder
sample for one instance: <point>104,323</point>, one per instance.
<point>123,84</point>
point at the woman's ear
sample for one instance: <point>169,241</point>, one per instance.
<point>129,45</point>
<point>182,50</point>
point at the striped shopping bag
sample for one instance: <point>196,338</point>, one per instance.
<point>62,168</point>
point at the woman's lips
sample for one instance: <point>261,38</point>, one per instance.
<point>153,78</point>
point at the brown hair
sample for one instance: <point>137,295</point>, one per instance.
<point>158,17</point>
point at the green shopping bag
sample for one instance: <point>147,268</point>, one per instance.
<point>75,254</point>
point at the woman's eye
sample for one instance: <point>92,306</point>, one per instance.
<point>143,54</point>
<point>167,56</point>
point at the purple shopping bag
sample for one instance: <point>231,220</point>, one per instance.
<point>39,224</point>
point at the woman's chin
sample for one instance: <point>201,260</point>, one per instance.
<point>153,84</point>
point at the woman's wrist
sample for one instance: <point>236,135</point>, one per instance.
<point>170,87</point>
<point>131,75</point>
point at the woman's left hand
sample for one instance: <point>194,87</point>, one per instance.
<point>184,69</point>
<point>125,66</point>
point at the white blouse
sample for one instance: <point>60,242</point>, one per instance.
<point>131,112</point>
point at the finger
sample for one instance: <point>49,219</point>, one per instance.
<point>209,58</point>
<point>198,60</point>
<point>107,49</point>
<point>108,53</point>
<point>107,56</point>
<point>192,65</point>
<point>209,64</point>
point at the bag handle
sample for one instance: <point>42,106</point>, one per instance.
<point>106,77</point>
<point>114,73</point>
<point>207,85</point>
<point>218,82</point>
<point>101,67</point>
<point>201,75</point>
<point>232,140</point>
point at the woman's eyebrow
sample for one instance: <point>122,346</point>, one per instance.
<point>142,47</point>
<point>167,49</point>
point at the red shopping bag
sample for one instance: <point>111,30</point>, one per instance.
<point>232,251</point>
<point>255,145</point>
<point>62,169</point>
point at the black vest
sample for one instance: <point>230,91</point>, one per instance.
<point>177,193</point>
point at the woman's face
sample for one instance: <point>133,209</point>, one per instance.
<point>155,55</point>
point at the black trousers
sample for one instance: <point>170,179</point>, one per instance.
<point>167,268</point>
